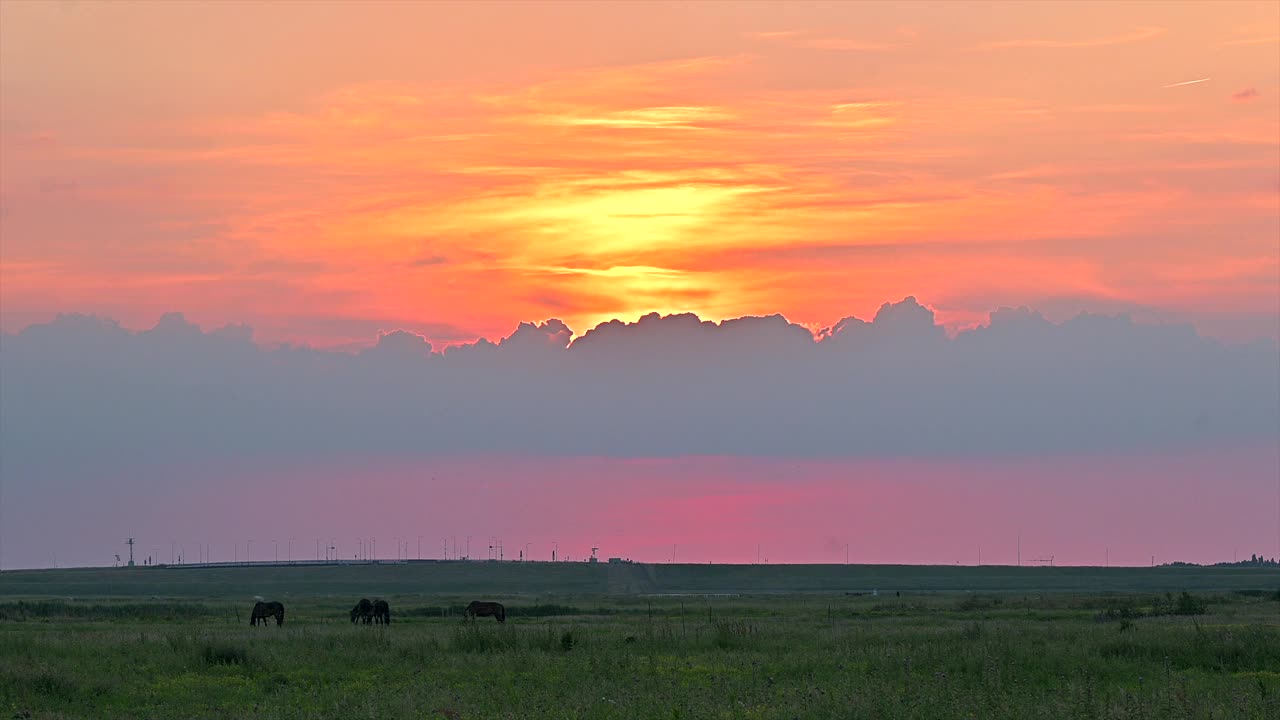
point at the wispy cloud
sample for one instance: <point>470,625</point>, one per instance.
<point>802,39</point>
<point>1246,95</point>
<point>429,261</point>
<point>1256,33</point>
<point>1137,35</point>
<point>1256,40</point>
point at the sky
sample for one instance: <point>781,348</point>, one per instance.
<point>906,277</point>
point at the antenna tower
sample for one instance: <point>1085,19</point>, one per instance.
<point>129,542</point>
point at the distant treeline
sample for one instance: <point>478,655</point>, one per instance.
<point>1253,561</point>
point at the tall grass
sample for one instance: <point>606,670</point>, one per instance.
<point>769,657</point>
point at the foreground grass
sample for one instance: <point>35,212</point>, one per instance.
<point>1052,656</point>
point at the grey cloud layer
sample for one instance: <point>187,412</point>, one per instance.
<point>84,389</point>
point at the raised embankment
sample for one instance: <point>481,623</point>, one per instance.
<point>577,579</point>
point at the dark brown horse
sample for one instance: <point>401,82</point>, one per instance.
<point>264,610</point>
<point>486,609</point>
<point>381,612</point>
<point>362,612</point>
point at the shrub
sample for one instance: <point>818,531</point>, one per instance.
<point>566,640</point>
<point>1189,604</point>
<point>732,633</point>
<point>473,637</point>
<point>225,653</point>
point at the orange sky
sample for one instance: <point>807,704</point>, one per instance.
<point>324,171</point>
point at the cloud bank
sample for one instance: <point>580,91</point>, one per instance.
<point>84,389</point>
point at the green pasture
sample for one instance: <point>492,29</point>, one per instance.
<point>170,643</point>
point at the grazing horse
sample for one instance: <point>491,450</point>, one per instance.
<point>486,609</point>
<point>381,612</point>
<point>264,610</point>
<point>363,611</point>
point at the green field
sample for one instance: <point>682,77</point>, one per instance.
<point>644,641</point>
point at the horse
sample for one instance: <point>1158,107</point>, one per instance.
<point>381,612</point>
<point>264,610</point>
<point>363,611</point>
<point>486,609</point>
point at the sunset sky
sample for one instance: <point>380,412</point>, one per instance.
<point>375,181</point>
<point>325,171</point>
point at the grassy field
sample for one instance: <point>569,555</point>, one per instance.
<point>176,644</point>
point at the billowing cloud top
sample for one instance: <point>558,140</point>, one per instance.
<point>83,388</point>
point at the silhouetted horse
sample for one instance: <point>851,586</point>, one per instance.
<point>381,612</point>
<point>486,609</point>
<point>264,610</point>
<point>363,611</point>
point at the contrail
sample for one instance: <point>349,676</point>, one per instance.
<point>1189,82</point>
